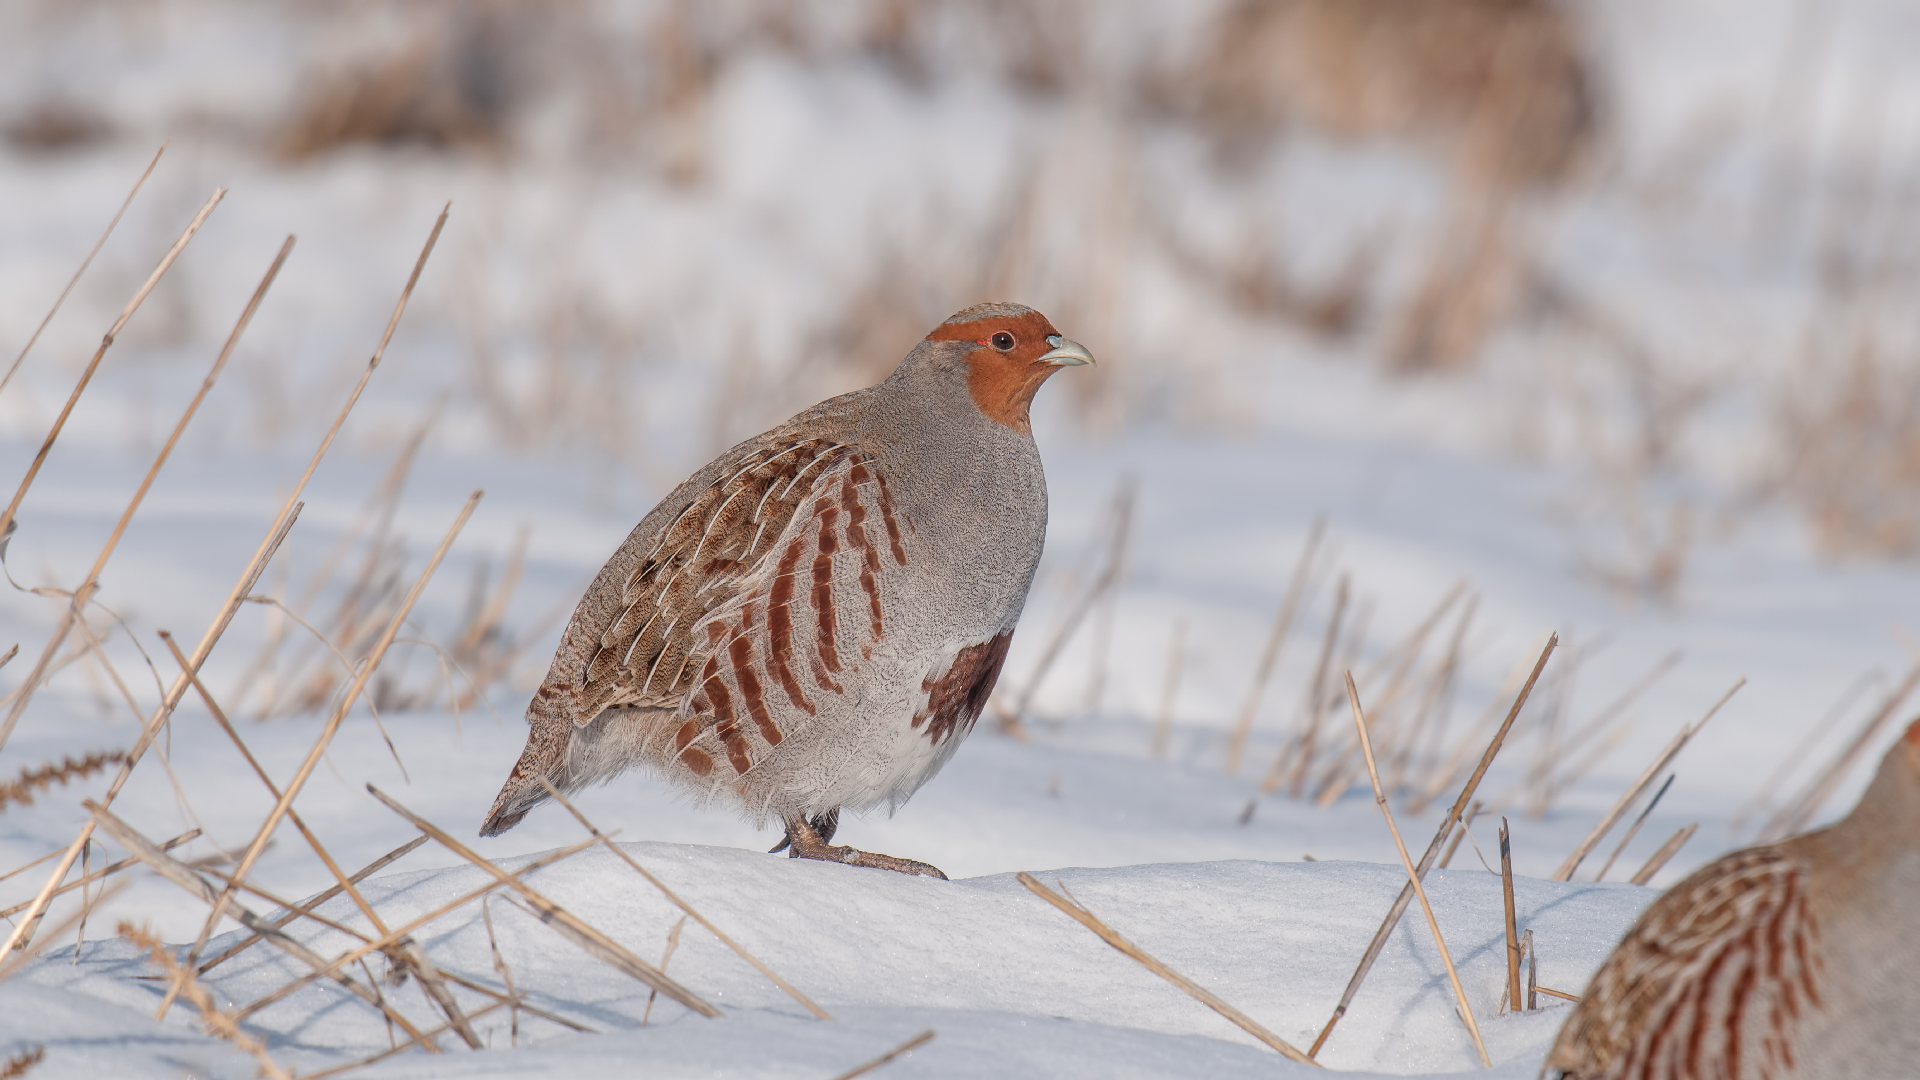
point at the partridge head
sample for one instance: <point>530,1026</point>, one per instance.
<point>816,619</point>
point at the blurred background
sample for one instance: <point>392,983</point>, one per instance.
<point>1601,306</point>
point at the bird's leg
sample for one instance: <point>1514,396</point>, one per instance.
<point>805,841</point>
<point>825,824</point>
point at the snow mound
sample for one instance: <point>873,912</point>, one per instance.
<point>1012,986</point>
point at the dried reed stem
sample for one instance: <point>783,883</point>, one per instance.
<point>372,663</point>
<point>1635,829</point>
<point>264,554</point>
<point>184,876</point>
<point>87,587</point>
<point>219,1023</point>
<point>565,923</point>
<point>904,1048</point>
<point>1513,929</point>
<point>1413,876</point>
<point>1795,815</point>
<point>398,932</point>
<point>84,263</point>
<point>1555,993</point>
<point>1170,689</point>
<point>407,949</point>
<point>298,911</point>
<point>1433,849</point>
<point>24,955</point>
<point>1194,990</point>
<point>104,872</point>
<point>1667,851</point>
<point>1109,575</point>
<point>674,898</point>
<point>1270,656</point>
<point>1565,873</point>
<point>1466,826</point>
<point>1315,703</point>
<point>1533,970</point>
<point>666,957</point>
<point>22,1063</point>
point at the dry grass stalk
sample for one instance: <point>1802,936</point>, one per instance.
<point>249,577</point>
<point>1513,929</point>
<point>1533,970</point>
<point>1194,990</point>
<point>1413,876</point>
<point>1270,655</point>
<point>98,875</point>
<point>1635,829</point>
<point>1170,689</point>
<point>1466,824</point>
<point>372,664</point>
<point>278,533</point>
<point>184,876</point>
<point>24,954</point>
<point>22,1063</point>
<point>1551,783</point>
<point>1762,801</point>
<point>406,951</point>
<point>1442,775</point>
<point>1433,849</point>
<point>301,910</point>
<point>19,791</point>
<point>219,1023</point>
<point>1565,873</point>
<point>1562,995</point>
<point>1310,719</point>
<point>1795,815</point>
<point>7,518</point>
<point>505,972</point>
<point>902,1050</point>
<point>84,263</point>
<point>1109,576</point>
<point>1667,851</point>
<point>674,898</point>
<point>1436,703</point>
<point>565,923</point>
<point>359,952</point>
<point>666,957</point>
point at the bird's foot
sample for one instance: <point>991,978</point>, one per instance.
<point>804,842</point>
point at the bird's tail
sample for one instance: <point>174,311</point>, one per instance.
<point>545,756</point>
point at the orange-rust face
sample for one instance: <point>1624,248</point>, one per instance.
<point>1006,369</point>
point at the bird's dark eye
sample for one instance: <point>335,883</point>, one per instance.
<point>1003,341</point>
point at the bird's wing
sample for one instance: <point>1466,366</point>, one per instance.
<point>1731,950</point>
<point>763,663</point>
<point>719,544</point>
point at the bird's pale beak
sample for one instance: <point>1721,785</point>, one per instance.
<point>1065,352</point>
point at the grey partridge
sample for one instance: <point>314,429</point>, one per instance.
<point>1798,960</point>
<point>815,619</point>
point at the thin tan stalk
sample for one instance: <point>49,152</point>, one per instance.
<point>285,802</point>
<point>1413,876</point>
<point>1565,873</point>
<point>1562,995</point>
<point>92,581</point>
<point>298,911</point>
<point>1513,929</point>
<point>399,932</point>
<point>565,923</point>
<point>1433,849</point>
<point>666,957</point>
<point>674,898</point>
<point>184,876</point>
<point>23,956</point>
<point>1194,990</point>
<point>1270,656</point>
<point>902,1050</point>
<point>23,932</point>
<point>104,872</point>
<point>1466,827</point>
<point>1667,851</point>
<point>1533,970</point>
<point>84,263</point>
<point>1635,829</point>
<point>1316,701</point>
<point>1108,576</point>
<point>409,950</point>
<point>1797,814</point>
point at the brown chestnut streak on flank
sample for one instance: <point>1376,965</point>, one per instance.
<point>1003,383</point>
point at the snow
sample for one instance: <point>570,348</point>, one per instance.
<point>589,332</point>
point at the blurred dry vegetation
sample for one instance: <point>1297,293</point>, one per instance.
<point>1503,108</point>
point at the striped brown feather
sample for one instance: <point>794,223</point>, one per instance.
<point>1709,983</point>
